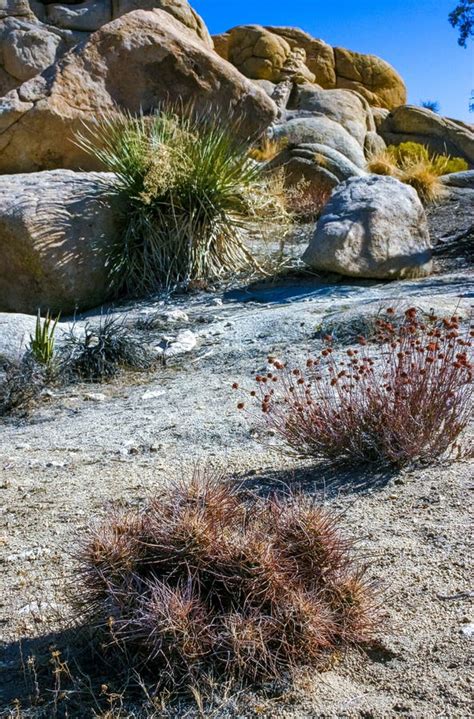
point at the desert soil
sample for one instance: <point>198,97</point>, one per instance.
<point>89,446</point>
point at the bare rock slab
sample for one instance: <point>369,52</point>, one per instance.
<point>54,230</point>
<point>372,227</point>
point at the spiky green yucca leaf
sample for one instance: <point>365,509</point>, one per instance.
<point>42,342</point>
<point>186,185</point>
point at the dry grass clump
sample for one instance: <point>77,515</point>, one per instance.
<point>187,187</point>
<point>267,148</point>
<point>205,581</point>
<point>414,165</point>
<point>101,351</point>
<point>408,400</point>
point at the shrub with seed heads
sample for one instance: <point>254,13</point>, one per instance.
<point>207,580</point>
<point>408,400</point>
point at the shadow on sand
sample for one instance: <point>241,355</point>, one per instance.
<point>324,482</point>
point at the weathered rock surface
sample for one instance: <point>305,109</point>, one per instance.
<point>373,144</point>
<point>319,165</point>
<point>343,106</point>
<point>321,130</point>
<point>15,331</point>
<point>459,179</point>
<point>133,63</point>
<point>54,230</point>
<point>263,55</point>
<point>440,134</point>
<point>264,52</point>
<point>27,47</point>
<point>319,55</point>
<point>371,76</point>
<point>372,227</point>
<point>35,34</point>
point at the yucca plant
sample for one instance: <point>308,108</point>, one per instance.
<point>42,342</point>
<point>186,185</point>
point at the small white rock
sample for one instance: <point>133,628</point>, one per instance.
<point>152,394</point>
<point>95,397</point>
<point>185,341</point>
<point>176,316</point>
<point>468,630</point>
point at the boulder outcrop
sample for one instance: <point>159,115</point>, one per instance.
<point>134,63</point>
<point>36,33</point>
<point>372,227</point>
<point>263,53</point>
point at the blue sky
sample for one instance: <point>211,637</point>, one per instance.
<point>413,35</point>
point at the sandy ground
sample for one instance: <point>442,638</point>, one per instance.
<point>89,446</point>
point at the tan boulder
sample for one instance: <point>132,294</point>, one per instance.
<point>440,134</point>
<point>374,78</point>
<point>33,35</point>
<point>54,234</point>
<point>257,53</point>
<point>134,63</point>
<point>263,55</point>
<point>221,44</point>
<point>319,55</point>
<point>179,9</point>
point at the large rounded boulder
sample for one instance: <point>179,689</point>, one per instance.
<point>322,130</point>
<point>345,107</point>
<point>55,231</point>
<point>372,227</point>
<point>36,33</point>
<point>372,77</point>
<point>134,64</point>
<point>263,55</point>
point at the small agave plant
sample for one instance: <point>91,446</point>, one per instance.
<point>42,343</point>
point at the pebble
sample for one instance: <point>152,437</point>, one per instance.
<point>468,630</point>
<point>29,554</point>
<point>153,394</point>
<point>184,341</point>
<point>95,397</point>
<point>37,607</point>
<point>176,316</point>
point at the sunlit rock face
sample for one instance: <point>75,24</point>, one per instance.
<point>34,34</point>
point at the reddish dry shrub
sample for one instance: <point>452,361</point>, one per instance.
<point>306,200</point>
<point>205,580</point>
<point>405,401</point>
